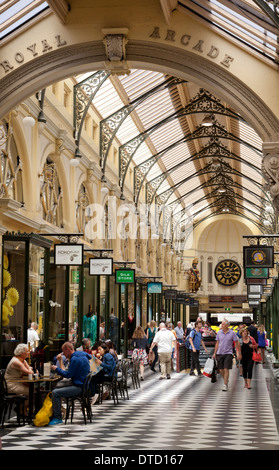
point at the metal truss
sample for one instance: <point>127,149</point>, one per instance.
<point>213,149</point>
<point>110,126</point>
<point>204,102</point>
<point>84,93</point>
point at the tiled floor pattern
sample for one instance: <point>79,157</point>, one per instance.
<point>184,413</point>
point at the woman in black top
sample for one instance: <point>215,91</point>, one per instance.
<point>247,362</point>
<point>140,343</point>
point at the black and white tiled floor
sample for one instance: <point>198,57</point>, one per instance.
<point>184,413</point>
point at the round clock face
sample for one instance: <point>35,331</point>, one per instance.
<point>227,272</point>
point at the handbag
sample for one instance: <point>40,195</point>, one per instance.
<point>43,416</point>
<point>151,356</point>
<point>256,356</point>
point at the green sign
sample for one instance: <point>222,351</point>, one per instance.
<point>259,273</point>
<point>124,276</point>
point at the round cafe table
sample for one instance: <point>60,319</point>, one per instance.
<point>50,383</point>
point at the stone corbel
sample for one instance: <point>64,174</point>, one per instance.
<point>115,41</point>
<point>270,168</point>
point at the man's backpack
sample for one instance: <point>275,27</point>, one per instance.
<point>187,340</point>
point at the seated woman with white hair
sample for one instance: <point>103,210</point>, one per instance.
<point>17,368</point>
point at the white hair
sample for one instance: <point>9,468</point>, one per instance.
<point>20,349</point>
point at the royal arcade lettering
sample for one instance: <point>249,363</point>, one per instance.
<point>31,51</point>
<point>185,40</point>
<point>46,45</point>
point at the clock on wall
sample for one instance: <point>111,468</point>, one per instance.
<point>227,272</point>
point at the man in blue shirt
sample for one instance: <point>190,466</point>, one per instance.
<point>78,370</point>
<point>196,341</point>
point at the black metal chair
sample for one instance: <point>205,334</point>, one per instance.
<point>122,379</point>
<point>7,400</point>
<point>84,400</point>
<point>133,372</point>
<point>111,385</point>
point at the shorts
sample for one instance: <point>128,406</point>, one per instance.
<point>224,361</point>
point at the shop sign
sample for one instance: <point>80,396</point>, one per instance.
<point>251,281</point>
<point>124,276</point>
<point>180,298</point>
<point>260,273</point>
<point>258,256</point>
<point>100,266</point>
<point>170,294</point>
<point>154,287</point>
<point>68,254</point>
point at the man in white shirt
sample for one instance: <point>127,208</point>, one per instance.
<point>164,339</point>
<point>32,335</point>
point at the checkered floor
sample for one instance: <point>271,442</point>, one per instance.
<point>184,413</point>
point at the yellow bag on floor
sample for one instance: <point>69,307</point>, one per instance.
<point>43,416</point>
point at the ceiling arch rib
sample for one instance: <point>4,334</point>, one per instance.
<point>203,103</point>
<point>162,198</point>
<point>152,186</point>
<point>214,148</point>
<point>163,141</point>
<point>110,126</point>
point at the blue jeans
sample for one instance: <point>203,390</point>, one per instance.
<point>64,392</point>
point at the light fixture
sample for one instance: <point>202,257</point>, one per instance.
<point>221,189</point>
<point>104,190</point>
<point>269,209</point>
<point>28,121</point>
<point>207,121</point>
<point>266,222</point>
<point>225,209</point>
<point>74,162</point>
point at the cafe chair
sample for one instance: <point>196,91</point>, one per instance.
<point>111,385</point>
<point>133,372</point>
<point>122,379</point>
<point>7,400</point>
<point>84,400</point>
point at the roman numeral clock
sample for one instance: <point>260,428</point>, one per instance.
<point>227,272</point>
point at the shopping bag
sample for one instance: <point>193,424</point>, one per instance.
<point>43,416</point>
<point>208,367</point>
<point>256,356</point>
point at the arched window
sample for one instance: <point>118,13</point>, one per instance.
<point>10,168</point>
<point>51,194</point>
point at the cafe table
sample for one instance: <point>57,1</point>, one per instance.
<point>50,383</point>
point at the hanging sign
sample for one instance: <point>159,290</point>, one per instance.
<point>154,287</point>
<point>100,266</point>
<point>262,282</point>
<point>68,254</point>
<point>261,273</point>
<point>258,256</point>
<point>124,276</point>
<point>170,294</point>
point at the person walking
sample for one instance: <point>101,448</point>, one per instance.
<point>262,341</point>
<point>164,340</point>
<point>140,344</point>
<point>223,351</point>
<point>246,352</point>
<point>195,340</point>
